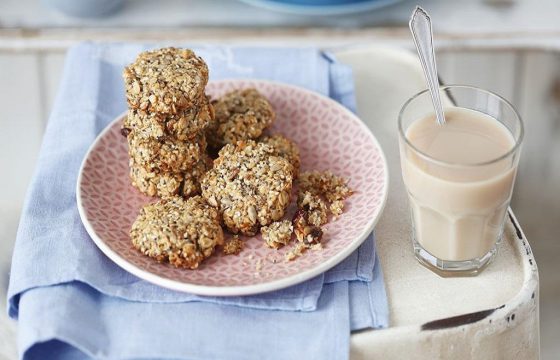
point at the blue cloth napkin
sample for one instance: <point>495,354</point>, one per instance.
<point>70,299</point>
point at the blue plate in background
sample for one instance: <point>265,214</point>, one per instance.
<point>321,7</point>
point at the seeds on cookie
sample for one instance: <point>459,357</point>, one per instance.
<point>184,125</point>
<point>166,155</point>
<point>193,177</point>
<point>181,232</point>
<point>239,115</point>
<point>285,148</point>
<point>165,80</point>
<point>153,183</point>
<point>167,184</point>
<point>249,185</point>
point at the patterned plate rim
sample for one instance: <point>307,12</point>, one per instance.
<point>244,289</point>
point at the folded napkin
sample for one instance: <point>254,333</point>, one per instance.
<point>70,299</point>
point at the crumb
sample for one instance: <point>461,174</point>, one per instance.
<point>316,247</point>
<point>306,232</point>
<point>277,234</point>
<point>315,207</point>
<point>295,252</point>
<point>233,246</point>
<point>337,207</point>
<point>298,249</point>
<point>325,185</point>
<point>272,259</point>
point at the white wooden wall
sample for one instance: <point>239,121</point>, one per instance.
<point>530,79</point>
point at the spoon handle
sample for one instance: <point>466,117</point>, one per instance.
<point>421,27</point>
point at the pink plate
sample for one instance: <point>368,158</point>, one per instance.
<point>330,138</point>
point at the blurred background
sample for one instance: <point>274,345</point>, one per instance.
<point>511,47</point>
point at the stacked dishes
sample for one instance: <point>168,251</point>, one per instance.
<point>167,117</point>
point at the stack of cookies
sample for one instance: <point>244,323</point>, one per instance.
<point>167,117</point>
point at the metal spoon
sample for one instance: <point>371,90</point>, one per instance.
<point>421,27</point>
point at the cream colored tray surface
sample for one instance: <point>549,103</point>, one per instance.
<point>492,316</point>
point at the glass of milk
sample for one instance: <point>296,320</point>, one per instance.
<point>459,176</point>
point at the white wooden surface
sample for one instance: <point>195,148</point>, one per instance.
<point>528,78</point>
<point>473,17</point>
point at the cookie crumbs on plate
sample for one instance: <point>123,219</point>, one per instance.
<point>298,250</point>
<point>315,207</point>
<point>306,232</point>
<point>316,247</point>
<point>325,183</point>
<point>273,259</point>
<point>277,234</point>
<point>233,246</point>
<point>337,207</point>
<point>295,252</point>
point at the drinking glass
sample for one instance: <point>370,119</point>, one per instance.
<point>458,210</point>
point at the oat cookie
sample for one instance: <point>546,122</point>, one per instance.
<point>284,147</point>
<point>249,185</point>
<point>239,115</point>
<point>165,80</point>
<point>166,155</point>
<point>184,125</point>
<point>277,234</point>
<point>193,177</point>
<point>182,232</point>
<point>155,183</point>
<point>165,184</point>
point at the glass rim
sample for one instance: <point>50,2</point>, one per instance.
<point>512,151</point>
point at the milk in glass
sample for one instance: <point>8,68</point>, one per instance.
<point>459,182</point>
